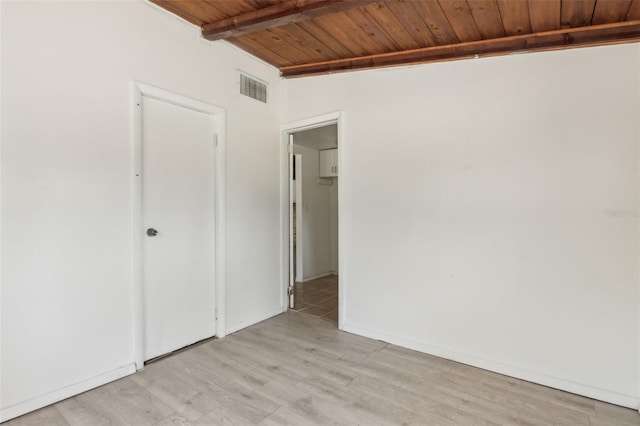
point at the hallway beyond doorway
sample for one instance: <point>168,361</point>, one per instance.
<point>318,298</point>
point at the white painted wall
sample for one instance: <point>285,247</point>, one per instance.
<point>325,137</point>
<point>316,216</point>
<point>475,211</point>
<point>66,216</point>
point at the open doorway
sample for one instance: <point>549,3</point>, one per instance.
<point>313,221</point>
<point>294,133</point>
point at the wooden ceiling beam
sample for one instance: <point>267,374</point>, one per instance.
<point>596,35</point>
<point>278,15</point>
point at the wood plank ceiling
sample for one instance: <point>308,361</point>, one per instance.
<point>309,37</point>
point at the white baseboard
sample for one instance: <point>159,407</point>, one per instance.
<point>530,376</point>
<point>25,407</point>
<point>315,277</point>
<point>255,320</point>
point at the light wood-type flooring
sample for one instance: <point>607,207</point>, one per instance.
<point>295,369</point>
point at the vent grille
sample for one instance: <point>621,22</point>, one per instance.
<point>253,88</point>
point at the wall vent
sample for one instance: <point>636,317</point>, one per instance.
<point>253,88</point>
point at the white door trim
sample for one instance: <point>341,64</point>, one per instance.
<point>297,126</point>
<point>299,252</point>
<point>138,90</point>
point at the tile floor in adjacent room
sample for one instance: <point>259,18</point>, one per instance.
<point>318,298</point>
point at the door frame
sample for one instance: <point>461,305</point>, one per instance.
<point>296,266</point>
<point>138,91</point>
<point>298,126</point>
<point>299,253</point>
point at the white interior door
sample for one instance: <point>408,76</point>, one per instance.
<point>292,203</point>
<point>299,223</point>
<point>178,262</point>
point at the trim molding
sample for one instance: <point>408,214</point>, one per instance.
<point>497,367</point>
<point>13,411</point>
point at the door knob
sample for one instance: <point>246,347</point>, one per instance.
<point>152,232</point>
